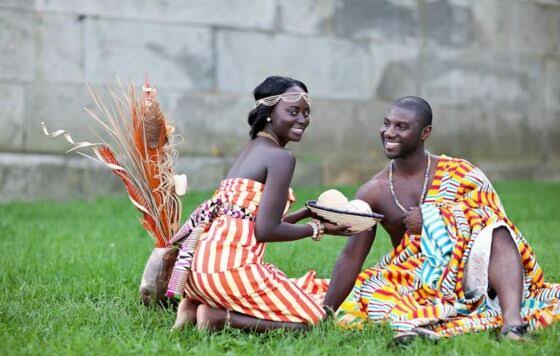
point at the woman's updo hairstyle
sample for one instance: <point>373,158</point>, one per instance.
<point>273,85</point>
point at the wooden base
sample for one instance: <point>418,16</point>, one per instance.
<point>156,276</point>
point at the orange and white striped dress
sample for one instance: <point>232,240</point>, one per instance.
<point>228,271</point>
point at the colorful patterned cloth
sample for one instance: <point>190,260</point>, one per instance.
<point>420,283</point>
<point>225,265</point>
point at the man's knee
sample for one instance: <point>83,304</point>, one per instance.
<point>502,231</point>
<point>501,235</point>
<point>503,244</point>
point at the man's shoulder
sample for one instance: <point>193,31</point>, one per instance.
<point>463,170</point>
<point>454,163</point>
<point>371,189</point>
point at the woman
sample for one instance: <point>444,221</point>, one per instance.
<point>228,281</point>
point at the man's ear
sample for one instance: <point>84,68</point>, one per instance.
<point>426,132</point>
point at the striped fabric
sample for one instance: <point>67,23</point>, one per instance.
<point>227,269</point>
<point>420,282</point>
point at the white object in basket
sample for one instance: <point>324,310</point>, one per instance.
<point>358,221</point>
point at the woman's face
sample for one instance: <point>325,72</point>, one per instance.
<point>289,120</point>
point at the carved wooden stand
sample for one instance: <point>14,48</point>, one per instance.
<point>156,276</point>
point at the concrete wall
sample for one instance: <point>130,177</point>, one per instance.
<point>490,69</point>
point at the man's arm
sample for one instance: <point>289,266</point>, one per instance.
<point>348,266</point>
<point>352,257</point>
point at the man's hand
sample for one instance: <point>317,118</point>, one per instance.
<point>413,221</point>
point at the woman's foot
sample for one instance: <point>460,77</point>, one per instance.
<point>186,313</point>
<point>209,318</point>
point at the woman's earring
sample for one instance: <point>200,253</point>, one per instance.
<point>268,119</point>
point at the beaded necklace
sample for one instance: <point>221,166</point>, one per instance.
<point>424,189</point>
<point>269,136</point>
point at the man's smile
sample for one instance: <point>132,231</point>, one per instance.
<point>391,144</point>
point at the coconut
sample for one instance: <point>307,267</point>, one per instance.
<point>358,206</point>
<point>332,199</point>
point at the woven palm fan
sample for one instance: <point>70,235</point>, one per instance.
<point>141,152</point>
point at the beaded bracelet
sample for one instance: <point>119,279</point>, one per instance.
<point>321,229</point>
<point>315,229</point>
<point>318,229</point>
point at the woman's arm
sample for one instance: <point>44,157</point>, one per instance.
<point>269,226</point>
<point>296,216</point>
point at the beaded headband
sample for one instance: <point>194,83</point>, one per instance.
<point>287,97</point>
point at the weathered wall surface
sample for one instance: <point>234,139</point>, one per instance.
<point>490,69</point>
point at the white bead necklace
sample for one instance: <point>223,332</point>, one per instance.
<point>424,189</point>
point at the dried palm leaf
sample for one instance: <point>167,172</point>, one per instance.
<point>140,150</point>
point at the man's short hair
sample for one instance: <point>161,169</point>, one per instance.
<point>420,106</point>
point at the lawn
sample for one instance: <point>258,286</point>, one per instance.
<point>70,272</point>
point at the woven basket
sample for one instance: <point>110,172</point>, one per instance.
<point>358,221</point>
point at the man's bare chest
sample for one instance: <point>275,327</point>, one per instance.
<point>393,215</point>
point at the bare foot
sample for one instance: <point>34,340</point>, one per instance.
<point>186,313</point>
<point>209,318</point>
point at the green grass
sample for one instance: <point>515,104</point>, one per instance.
<point>70,272</point>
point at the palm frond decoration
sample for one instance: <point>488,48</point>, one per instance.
<point>140,150</point>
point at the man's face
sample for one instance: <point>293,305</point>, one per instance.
<point>400,132</point>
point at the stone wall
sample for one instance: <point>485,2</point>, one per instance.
<point>490,69</point>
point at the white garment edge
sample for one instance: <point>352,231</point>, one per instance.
<point>476,273</point>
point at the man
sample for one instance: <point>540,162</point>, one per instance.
<point>458,265</point>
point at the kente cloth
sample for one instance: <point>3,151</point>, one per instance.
<point>420,283</point>
<point>224,268</point>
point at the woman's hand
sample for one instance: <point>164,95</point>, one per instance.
<point>339,230</point>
